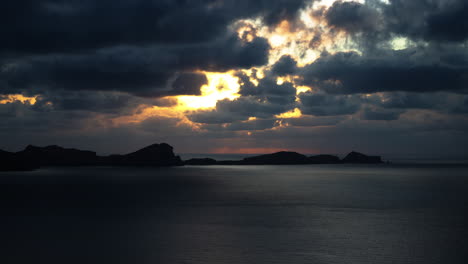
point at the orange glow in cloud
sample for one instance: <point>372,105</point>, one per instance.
<point>302,89</point>
<point>18,98</point>
<point>220,86</point>
<point>147,112</point>
<point>303,40</point>
<point>295,113</point>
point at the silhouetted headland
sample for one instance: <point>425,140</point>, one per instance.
<point>157,155</point>
<point>10,161</point>
<point>289,158</point>
<point>356,157</point>
<point>154,155</point>
<point>33,157</point>
<point>278,158</point>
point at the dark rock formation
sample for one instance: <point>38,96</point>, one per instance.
<point>33,157</point>
<point>57,156</point>
<point>324,159</point>
<point>154,155</point>
<point>356,157</point>
<point>203,161</point>
<point>278,158</point>
<point>12,162</point>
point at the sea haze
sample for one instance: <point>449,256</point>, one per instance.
<point>236,214</point>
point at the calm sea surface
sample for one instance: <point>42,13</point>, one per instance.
<point>236,214</point>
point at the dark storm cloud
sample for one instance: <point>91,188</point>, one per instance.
<point>239,109</point>
<point>189,83</point>
<point>140,71</point>
<point>268,90</point>
<point>18,118</point>
<point>428,20</point>
<point>313,121</point>
<point>251,125</point>
<point>224,54</point>
<point>461,108</point>
<point>104,102</point>
<point>380,114</point>
<point>408,70</point>
<point>38,26</point>
<point>51,26</point>
<point>284,66</point>
<point>352,17</point>
<point>138,47</point>
<point>318,104</point>
<point>442,102</point>
<point>402,100</point>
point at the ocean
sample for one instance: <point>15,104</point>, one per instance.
<point>236,214</point>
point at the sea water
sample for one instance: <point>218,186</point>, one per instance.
<point>236,214</point>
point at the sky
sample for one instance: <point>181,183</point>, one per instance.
<point>386,77</point>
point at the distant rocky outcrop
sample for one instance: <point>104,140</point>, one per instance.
<point>289,158</point>
<point>278,158</point>
<point>57,156</point>
<point>324,159</point>
<point>202,161</point>
<point>10,161</point>
<point>154,155</point>
<point>356,157</point>
<point>33,157</point>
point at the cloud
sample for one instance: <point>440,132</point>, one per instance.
<point>443,102</point>
<point>189,83</point>
<point>350,72</point>
<point>239,109</point>
<point>380,114</point>
<point>319,104</point>
<point>312,121</point>
<point>50,26</point>
<point>250,125</point>
<point>263,101</point>
<point>142,71</point>
<point>420,20</point>
<point>441,21</point>
<point>352,17</point>
<point>103,102</point>
<point>284,66</point>
<point>268,90</point>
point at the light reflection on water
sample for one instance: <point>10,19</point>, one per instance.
<point>235,214</point>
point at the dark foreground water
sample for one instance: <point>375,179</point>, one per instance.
<point>256,214</point>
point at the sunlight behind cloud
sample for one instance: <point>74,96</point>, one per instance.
<point>18,98</point>
<point>220,86</point>
<point>400,43</point>
<point>296,113</point>
<point>303,40</point>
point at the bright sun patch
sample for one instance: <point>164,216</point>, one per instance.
<point>400,43</point>
<point>220,86</point>
<point>11,98</point>
<point>304,42</point>
<point>296,113</point>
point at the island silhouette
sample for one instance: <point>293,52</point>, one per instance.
<point>157,155</point>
